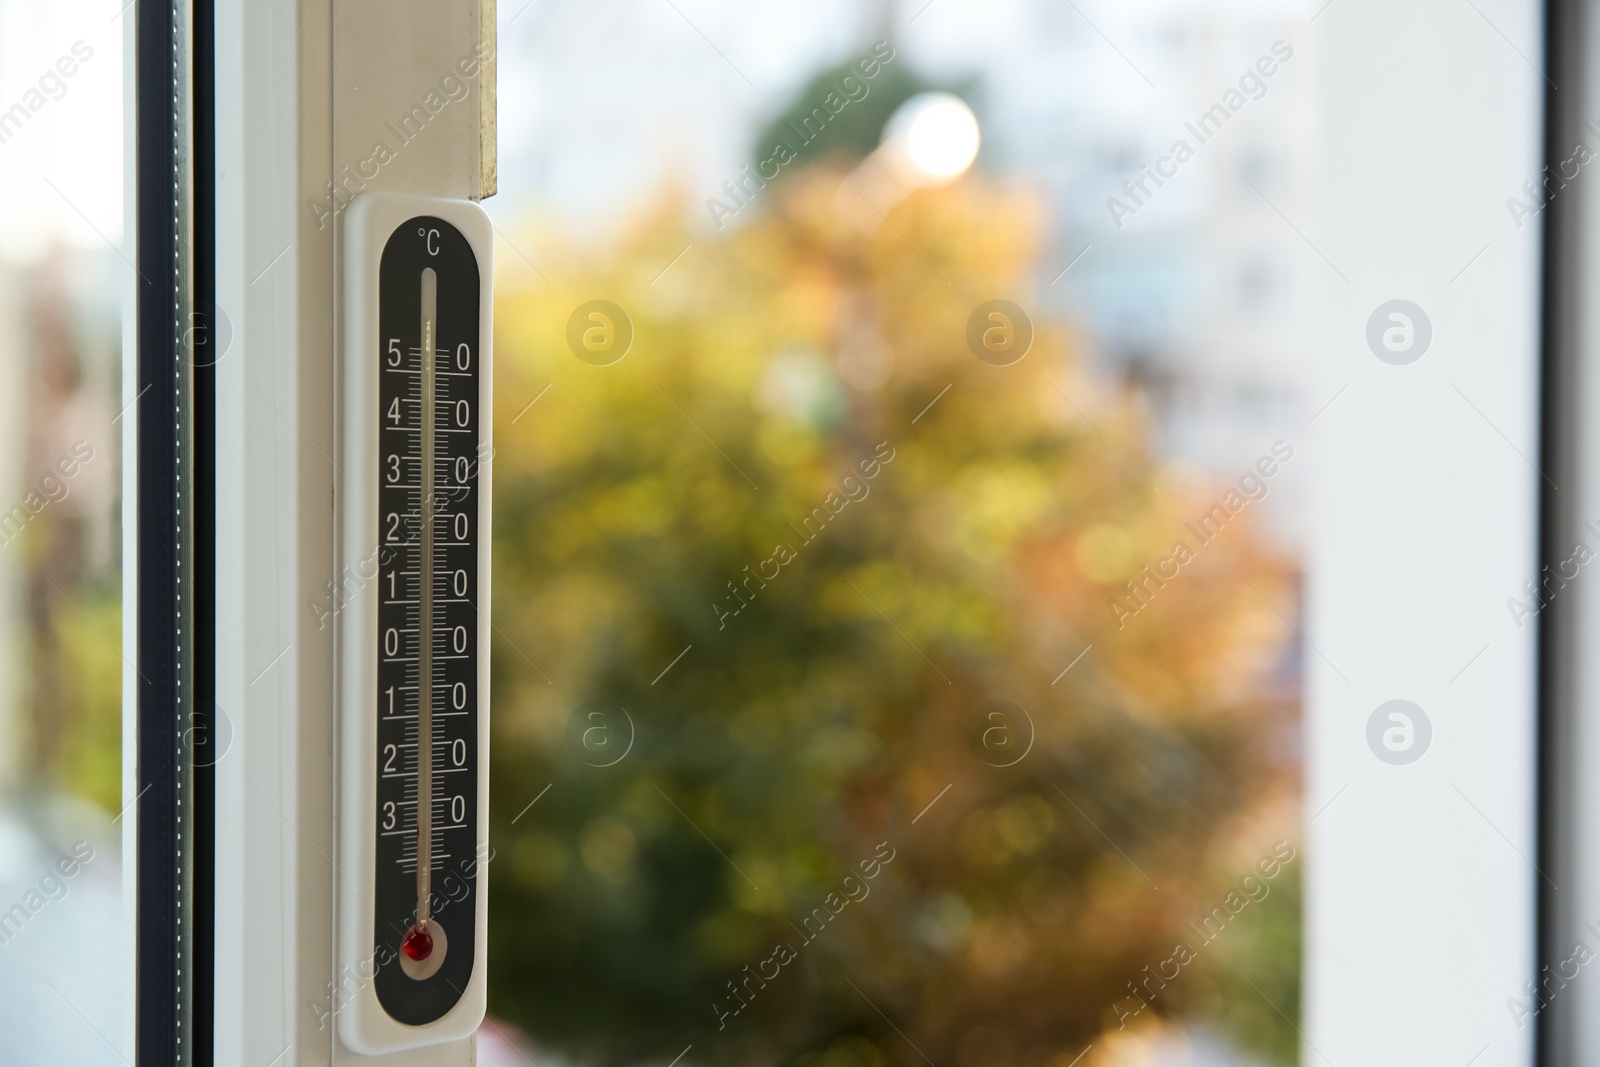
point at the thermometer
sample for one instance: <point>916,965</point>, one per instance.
<point>413,644</point>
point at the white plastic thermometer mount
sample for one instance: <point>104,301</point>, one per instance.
<point>413,629</point>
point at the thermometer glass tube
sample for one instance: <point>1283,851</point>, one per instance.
<point>426,878</point>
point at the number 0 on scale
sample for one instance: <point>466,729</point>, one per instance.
<point>414,555</point>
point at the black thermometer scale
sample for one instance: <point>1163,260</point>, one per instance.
<point>414,651</point>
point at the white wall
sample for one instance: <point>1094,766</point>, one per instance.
<point>1421,887</point>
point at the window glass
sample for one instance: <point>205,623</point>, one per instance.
<point>900,451</point>
<point>63,273</point>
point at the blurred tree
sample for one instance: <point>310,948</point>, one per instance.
<point>62,526</point>
<point>724,745</point>
<point>856,129</point>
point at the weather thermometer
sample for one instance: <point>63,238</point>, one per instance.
<point>414,650</point>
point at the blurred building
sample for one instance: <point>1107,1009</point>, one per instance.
<point>1191,286</point>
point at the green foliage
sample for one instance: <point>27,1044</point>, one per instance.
<point>1266,954</point>
<point>91,761</point>
<point>855,130</point>
<point>779,734</point>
